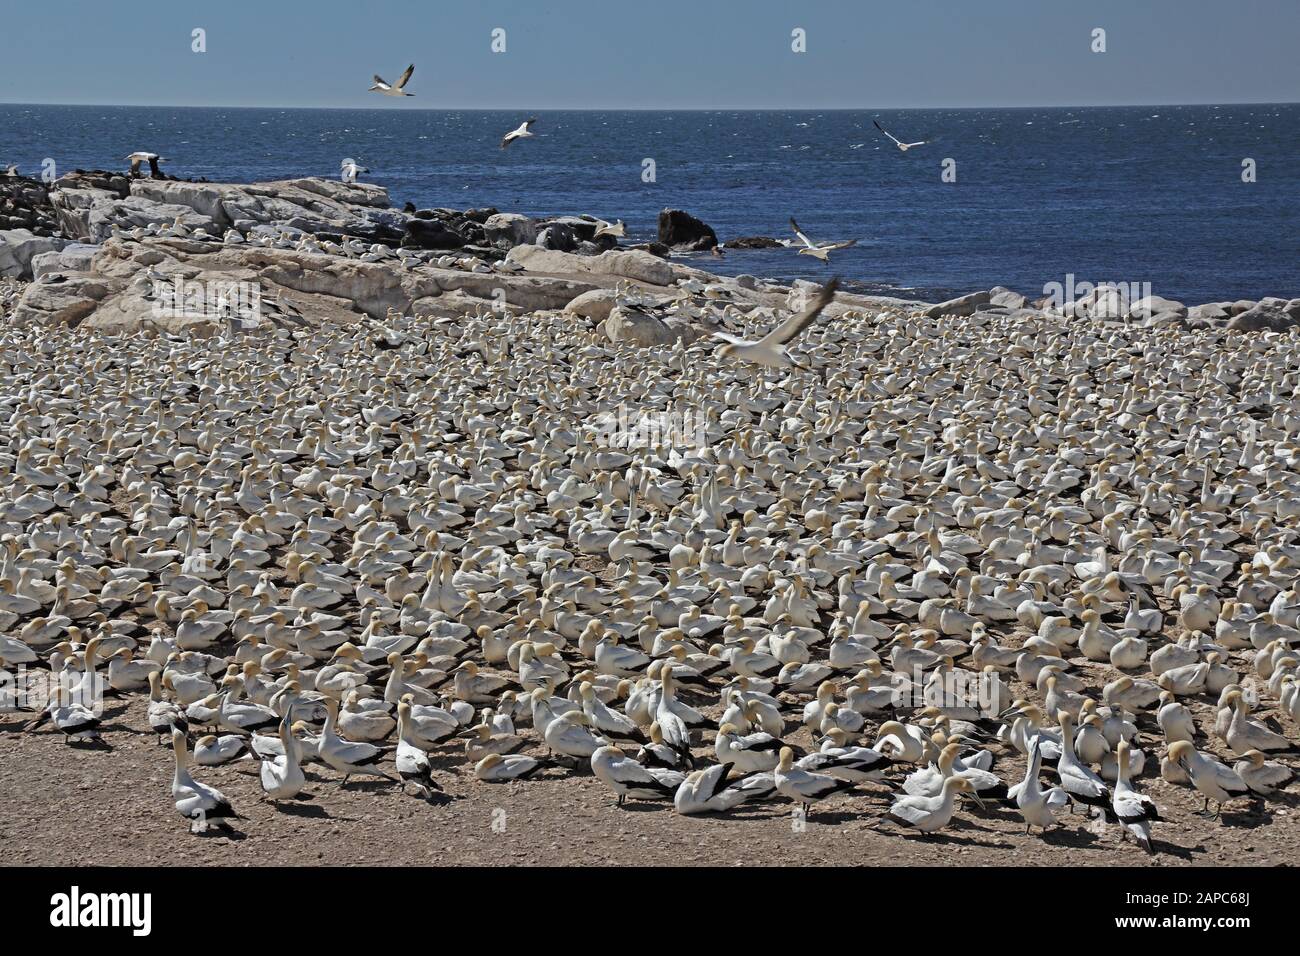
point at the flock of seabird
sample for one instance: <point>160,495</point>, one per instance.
<point>909,556</point>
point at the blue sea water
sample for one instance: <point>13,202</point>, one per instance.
<point>1125,194</point>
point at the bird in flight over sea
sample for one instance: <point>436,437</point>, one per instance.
<point>903,147</point>
<point>770,350</point>
<point>153,159</point>
<point>519,133</point>
<point>823,251</point>
<point>349,168</point>
<point>396,89</point>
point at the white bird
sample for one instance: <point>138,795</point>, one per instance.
<point>519,133</point>
<point>1133,810</point>
<point>499,768</point>
<point>822,250</point>
<point>1038,806</point>
<point>707,790</point>
<point>344,756</point>
<point>929,814</point>
<point>349,169</point>
<point>212,751</point>
<point>282,777</point>
<point>627,778</point>
<point>770,351</point>
<point>197,802</point>
<point>1213,779</point>
<point>903,147</point>
<point>803,786</point>
<point>396,89</point>
<point>153,159</point>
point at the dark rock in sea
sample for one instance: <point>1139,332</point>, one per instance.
<point>431,234</point>
<point>753,242</point>
<point>654,248</point>
<point>682,232</point>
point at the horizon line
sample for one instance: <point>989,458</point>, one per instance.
<point>654,109</point>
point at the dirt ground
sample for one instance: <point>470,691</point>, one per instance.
<point>74,805</point>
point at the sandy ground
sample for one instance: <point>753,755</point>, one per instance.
<point>72,805</point>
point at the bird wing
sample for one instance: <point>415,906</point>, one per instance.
<point>401,80</point>
<point>792,326</point>
<point>887,133</point>
<point>1130,807</point>
<point>904,810</point>
<point>529,122</point>
<point>840,245</point>
<point>733,339</point>
<point>505,140</point>
<point>798,232</point>
<point>379,81</point>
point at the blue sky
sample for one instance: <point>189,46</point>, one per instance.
<point>673,54</point>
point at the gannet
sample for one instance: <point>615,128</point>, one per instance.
<point>495,768</point>
<point>396,89</point>
<point>805,787</point>
<point>1038,806</point>
<point>770,350</point>
<point>281,775</point>
<point>929,814</point>
<point>519,133</point>
<point>349,168</point>
<point>818,251</point>
<point>1134,810</point>
<point>627,778</point>
<point>903,147</point>
<point>1212,778</point>
<point>197,802</point>
<point>153,159</point>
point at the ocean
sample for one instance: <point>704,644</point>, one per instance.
<point>1137,195</point>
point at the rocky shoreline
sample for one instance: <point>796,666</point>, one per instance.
<point>95,248</point>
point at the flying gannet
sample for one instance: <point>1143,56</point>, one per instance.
<point>153,159</point>
<point>902,147</point>
<point>350,168</point>
<point>519,133</point>
<point>770,350</point>
<point>396,89</point>
<point>823,251</point>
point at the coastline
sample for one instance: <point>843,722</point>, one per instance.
<point>219,233</point>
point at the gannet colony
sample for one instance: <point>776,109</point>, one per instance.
<point>430,512</point>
